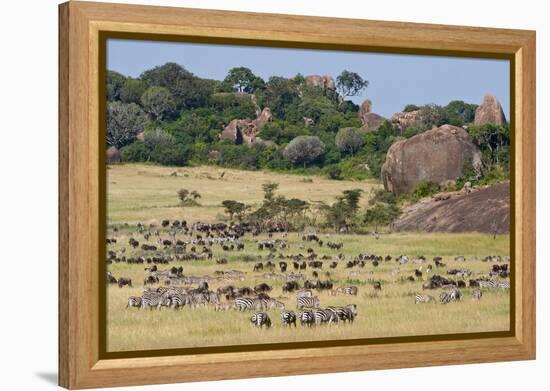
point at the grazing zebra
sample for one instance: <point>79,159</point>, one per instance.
<point>311,302</point>
<point>150,300</point>
<point>324,316</point>
<point>260,319</point>
<point>247,303</point>
<point>345,290</point>
<point>305,293</point>
<point>420,298</point>
<point>347,313</point>
<point>307,318</point>
<point>487,284</point>
<point>477,294</point>
<point>288,318</point>
<point>178,300</point>
<point>451,295</point>
<point>134,301</point>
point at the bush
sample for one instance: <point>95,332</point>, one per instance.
<point>171,155</point>
<point>349,140</point>
<point>304,150</point>
<point>135,152</point>
<point>334,172</point>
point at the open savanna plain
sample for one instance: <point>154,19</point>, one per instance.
<point>147,194</point>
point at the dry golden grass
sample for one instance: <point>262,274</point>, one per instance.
<point>148,194</point>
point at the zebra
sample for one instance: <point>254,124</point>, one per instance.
<point>178,300</point>
<point>304,293</point>
<point>324,316</point>
<point>157,300</point>
<point>347,313</point>
<point>288,318</point>
<point>345,290</point>
<point>307,318</point>
<point>134,301</point>
<point>477,294</point>
<point>451,295</point>
<point>259,319</point>
<point>302,302</point>
<point>247,303</point>
<point>420,298</point>
<point>487,284</point>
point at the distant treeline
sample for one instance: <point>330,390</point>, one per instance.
<point>170,116</point>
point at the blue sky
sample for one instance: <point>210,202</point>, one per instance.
<point>395,79</point>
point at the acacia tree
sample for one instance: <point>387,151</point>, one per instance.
<point>350,83</point>
<point>350,140</point>
<point>158,102</point>
<point>242,79</point>
<point>124,122</point>
<point>234,208</point>
<point>304,150</point>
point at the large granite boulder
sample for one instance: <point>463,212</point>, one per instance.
<point>324,82</point>
<point>407,119</point>
<point>240,131</point>
<point>369,119</point>
<point>113,155</point>
<point>437,155</point>
<point>490,112</point>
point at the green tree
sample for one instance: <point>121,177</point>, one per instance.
<point>304,150</point>
<point>350,83</point>
<point>410,108</point>
<point>350,140</point>
<point>115,81</point>
<point>157,138</point>
<point>233,208</point>
<point>241,79</point>
<point>280,93</point>
<point>343,213</point>
<point>158,102</point>
<point>124,122</point>
<point>131,90</point>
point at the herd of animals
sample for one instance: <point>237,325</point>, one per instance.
<point>165,285</point>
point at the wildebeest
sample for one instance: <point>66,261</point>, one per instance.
<point>263,287</point>
<point>377,286</point>
<point>290,286</point>
<point>111,279</point>
<point>122,281</point>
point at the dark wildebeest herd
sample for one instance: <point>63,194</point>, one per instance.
<point>163,250</point>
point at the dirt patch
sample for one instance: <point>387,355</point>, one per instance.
<point>483,210</point>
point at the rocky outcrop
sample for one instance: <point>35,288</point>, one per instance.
<point>369,119</point>
<point>324,82</point>
<point>407,119</point>
<point>490,112</point>
<point>436,155</point>
<point>113,155</point>
<point>481,210</point>
<point>240,131</point>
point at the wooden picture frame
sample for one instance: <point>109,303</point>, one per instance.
<point>82,26</point>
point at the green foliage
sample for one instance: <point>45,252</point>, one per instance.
<point>304,150</point>
<point>334,172</point>
<point>350,83</point>
<point>124,122</point>
<point>422,190</point>
<point>158,102</point>
<point>349,140</point>
<point>460,113</point>
<point>282,132</point>
<point>493,141</point>
<point>157,138</point>
<point>280,93</point>
<point>115,81</point>
<point>410,108</point>
<point>383,209</point>
<point>188,197</point>
<point>230,106</point>
<point>171,155</point>
<point>131,90</point>
<point>342,214</point>
<point>241,79</point>
<point>234,208</point>
<point>135,152</point>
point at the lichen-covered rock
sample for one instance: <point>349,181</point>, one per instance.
<point>490,112</point>
<point>437,155</point>
<point>369,119</point>
<point>407,119</point>
<point>240,131</point>
<point>113,155</point>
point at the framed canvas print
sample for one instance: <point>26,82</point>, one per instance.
<point>247,195</point>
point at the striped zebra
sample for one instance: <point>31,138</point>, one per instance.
<point>310,302</point>
<point>324,316</point>
<point>345,290</point>
<point>487,284</point>
<point>179,300</point>
<point>134,301</point>
<point>154,300</point>
<point>304,293</point>
<point>476,295</point>
<point>288,318</point>
<point>198,299</point>
<point>247,303</point>
<point>260,319</point>
<point>420,298</point>
<point>347,313</point>
<point>307,318</point>
<point>450,295</point>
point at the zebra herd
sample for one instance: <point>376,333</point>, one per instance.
<point>309,317</point>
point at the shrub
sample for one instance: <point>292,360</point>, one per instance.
<point>304,150</point>
<point>135,152</point>
<point>334,172</point>
<point>349,140</point>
